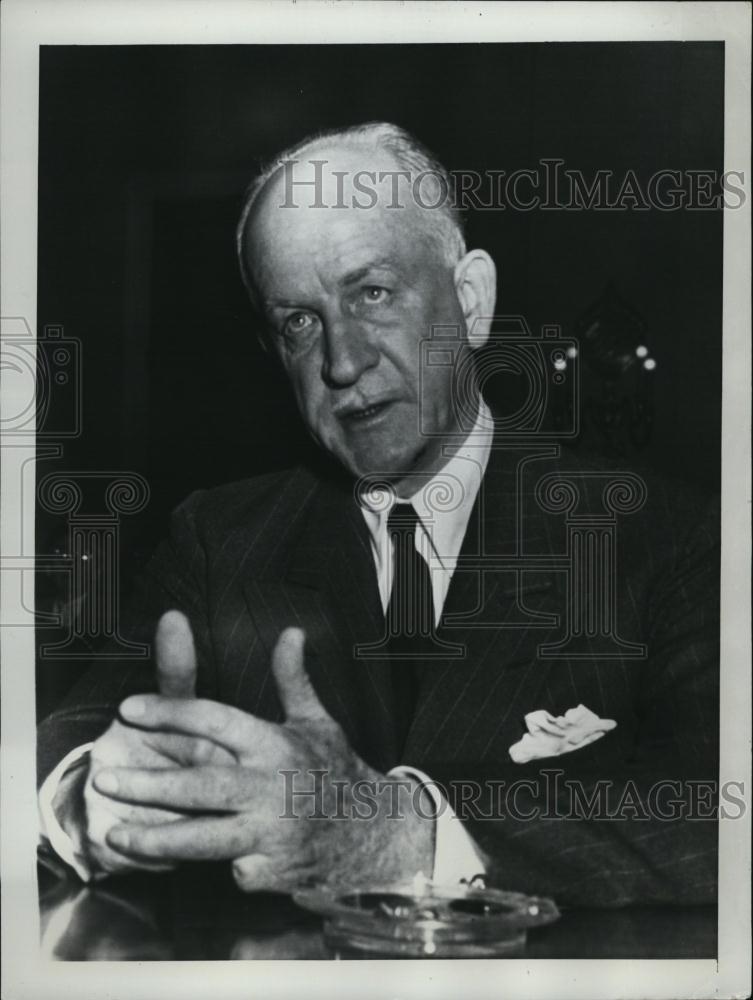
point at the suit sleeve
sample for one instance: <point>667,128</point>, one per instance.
<point>640,826</point>
<point>173,579</point>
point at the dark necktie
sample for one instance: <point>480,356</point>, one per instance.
<point>410,615</point>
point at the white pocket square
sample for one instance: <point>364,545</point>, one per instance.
<point>550,736</point>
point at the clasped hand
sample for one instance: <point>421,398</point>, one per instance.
<point>179,778</point>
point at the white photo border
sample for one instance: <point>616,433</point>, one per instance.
<point>25,27</point>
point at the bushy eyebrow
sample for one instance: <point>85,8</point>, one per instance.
<point>353,277</point>
<point>271,304</point>
<point>348,280</point>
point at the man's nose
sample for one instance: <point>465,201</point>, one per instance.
<point>348,353</point>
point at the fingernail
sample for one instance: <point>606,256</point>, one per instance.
<point>133,707</point>
<point>118,838</point>
<point>106,782</point>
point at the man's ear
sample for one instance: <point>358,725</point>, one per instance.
<point>476,287</point>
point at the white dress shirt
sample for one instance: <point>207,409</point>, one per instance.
<point>443,506</point>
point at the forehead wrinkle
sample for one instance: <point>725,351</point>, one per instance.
<point>319,248</point>
<point>332,261</point>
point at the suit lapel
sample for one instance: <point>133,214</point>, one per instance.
<point>470,707</point>
<point>320,576</point>
<point>323,580</point>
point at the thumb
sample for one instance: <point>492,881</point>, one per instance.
<point>299,700</point>
<point>176,656</point>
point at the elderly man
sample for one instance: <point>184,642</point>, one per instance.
<point>325,646</point>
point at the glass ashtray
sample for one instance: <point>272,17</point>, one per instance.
<point>422,920</point>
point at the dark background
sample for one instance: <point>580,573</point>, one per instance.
<point>144,153</point>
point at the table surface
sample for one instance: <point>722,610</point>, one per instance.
<point>200,915</point>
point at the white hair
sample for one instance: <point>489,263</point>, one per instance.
<point>444,222</point>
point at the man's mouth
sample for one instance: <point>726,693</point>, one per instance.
<point>364,414</point>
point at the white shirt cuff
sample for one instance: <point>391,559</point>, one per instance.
<point>455,853</point>
<point>49,826</point>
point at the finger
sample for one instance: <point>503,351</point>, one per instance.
<point>176,656</point>
<point>252,873</point>
<point>230,727</point>
<point>297,694</point>
<point>190,751</point>
<point>204,788</point>
<point>113,861</point>
<point>274,872</point>
<point>201,839</point>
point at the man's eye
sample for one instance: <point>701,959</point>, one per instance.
<point>375,294</point>
<point>299,323</point>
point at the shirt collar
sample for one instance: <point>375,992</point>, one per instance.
<point>443,504</point>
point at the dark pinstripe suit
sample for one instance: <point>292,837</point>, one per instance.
<point>245,560</point>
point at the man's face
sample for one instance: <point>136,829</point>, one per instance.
<point>349,294</point>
